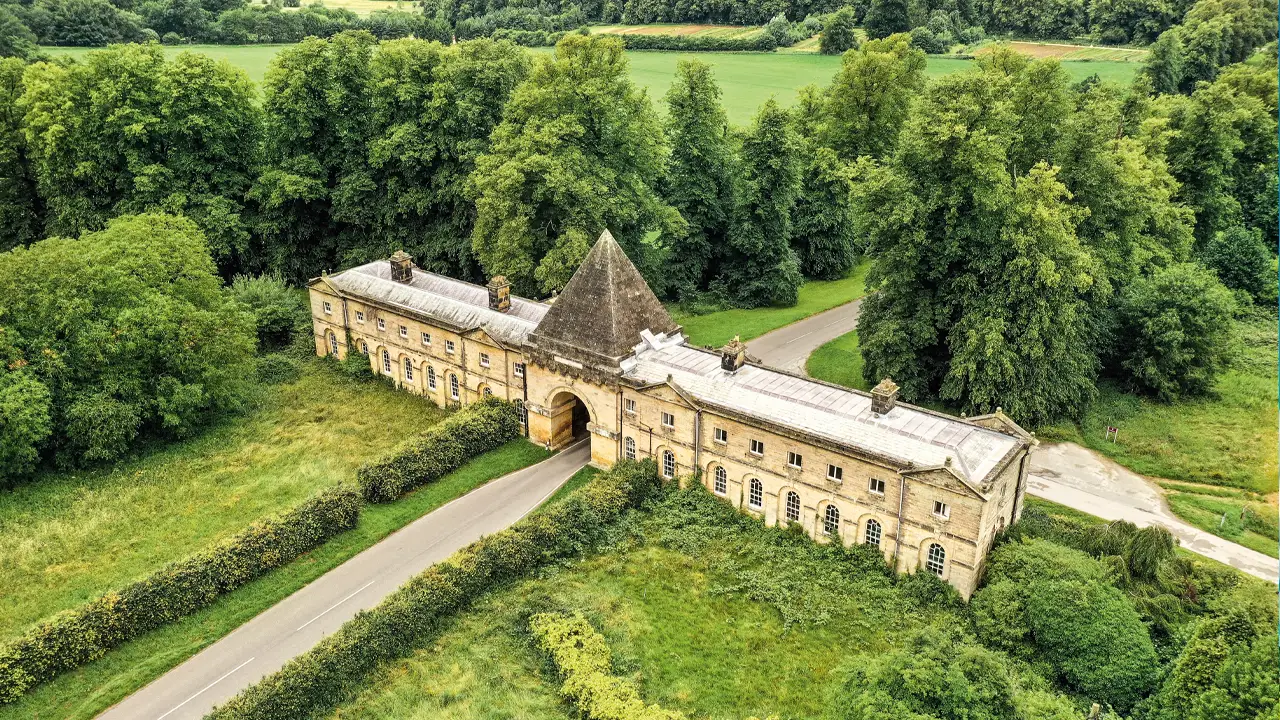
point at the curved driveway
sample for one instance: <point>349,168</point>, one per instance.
<point>1064,473</point>
<point>295,624</point>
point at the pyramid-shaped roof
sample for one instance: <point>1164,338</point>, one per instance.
<point>599,316</point>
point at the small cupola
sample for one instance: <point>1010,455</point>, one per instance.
<point>499,294</point>
<point>402,267</point>
<point>733,355</point>
<point>884,397</point>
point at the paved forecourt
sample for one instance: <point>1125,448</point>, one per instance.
<point>293,626</point>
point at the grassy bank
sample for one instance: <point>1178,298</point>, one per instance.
<point>67,537</point>
<point>718,328</point>
<point>839,362</point>
<point>747,79</point>
<point>84,693</point>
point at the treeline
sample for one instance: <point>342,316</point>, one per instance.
<point>96,23</point>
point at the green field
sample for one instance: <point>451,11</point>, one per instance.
<point>712,613</point>
<point>839,362</point>
<point>747,79</point>
<point>717,328</point>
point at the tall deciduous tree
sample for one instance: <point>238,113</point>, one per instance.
<point>315,188</point>
<point>16,40</point>
<point>128,330</point>
<point>887,17</point>
<point>761,268</point>
<point>21,209</point>
<point>837,34</point>
<point>433,109</point>
<point>699,175</point>
<point>580,149</point>
<point>869,99</point>
<point>124,131</point>
<point>823,229</point>
<point>1041,99</point>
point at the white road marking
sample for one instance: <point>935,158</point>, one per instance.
<point>362,587</point>
<point>206,687</point>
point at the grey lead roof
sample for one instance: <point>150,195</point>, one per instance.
<point>457,304</point>
<point>905,434</point>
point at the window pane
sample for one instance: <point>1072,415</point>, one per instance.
<point>831,521</point>
<point>722,481</point>
<point>793,507</point>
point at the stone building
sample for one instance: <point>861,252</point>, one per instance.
<point>605,361</point>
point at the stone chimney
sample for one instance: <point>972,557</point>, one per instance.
<point>499,294</point>
<point>884,397</point>
<point>734,355</point>
<point>402,267</point>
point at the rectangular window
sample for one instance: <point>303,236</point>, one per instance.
<point>382,324</point>
<point>794,459</point>
<point>757,447</point>
<point>448,346</point>
<point>668,420</point>
<point>940,509</point>
<point>629,405</point>
<point>835,472</point>
<point>426,338</point>
<point>328,309</point>
<point>722,435</point>
<point>876,486</point>
<point>359,316</point>
<point>519,369</point>
<point>484,359</point>
<point>404,331</point>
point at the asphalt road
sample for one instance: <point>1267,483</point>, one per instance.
<point>1065,473</point>
<point>787,348</point>
<point>290,628</point>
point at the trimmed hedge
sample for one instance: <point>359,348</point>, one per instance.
<point>476,429</point>
<point>696,43</point>
<point>583,660</point>
<point>334,671</point>
<point>76,637</point>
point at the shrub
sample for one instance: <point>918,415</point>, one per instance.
<point>928,41</point>
<point>1175,331</point>
<point>276,308</point>
<point>312,684</point>
<point>278,368</point>
<point>582,658</point>
<point>356,365</point>
<point>837,36</point>
<point>75,637</point>
<point>1242,262</point>
<point>930,591</point>
<point>443,448</point>
<point>25,422</point>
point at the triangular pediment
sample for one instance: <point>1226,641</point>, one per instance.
<point>945,477</point>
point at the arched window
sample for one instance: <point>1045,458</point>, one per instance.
<point>831,520</point>
<point>408,370</point>
<point>722,481</point>
<point>793,506</point>
<point>488,392</point>
<point>668,464</point>
<point>629,448</point>
<point>936,560</point>
<point>431,377</point>
<point>364,348</point>
<point>872,536</point>
<point>453,386</point>
<point>755,494</point>
<point>333,344</point>
<point>386,362</point>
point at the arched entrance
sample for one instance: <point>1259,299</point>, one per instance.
<point>569,419</point>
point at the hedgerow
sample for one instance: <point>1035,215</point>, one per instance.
<point>443,448</point>
<point>75,637</point>
<point>582,658</point>
<point>314,683</point>
<point>700,43</point>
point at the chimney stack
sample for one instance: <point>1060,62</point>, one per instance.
<point>499,294</point>
<point>884,397</point>
<point>734,355</point>
<point>402,267</point>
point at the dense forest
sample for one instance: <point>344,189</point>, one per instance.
<point>1029,234</point>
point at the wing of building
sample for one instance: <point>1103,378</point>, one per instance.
<point>605,361</point>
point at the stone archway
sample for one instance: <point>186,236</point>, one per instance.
<point>570,417</point>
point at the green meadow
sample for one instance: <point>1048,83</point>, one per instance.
<point>747,79</point>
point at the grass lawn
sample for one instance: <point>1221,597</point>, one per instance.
<point>839,362</point>
<point>718,328</point>
<point>746,79</point>
<point>67,537</point>
<point>83,693</point>
<point>1243,517</point>
<point>695,608</point>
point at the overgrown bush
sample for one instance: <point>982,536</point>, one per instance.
<point>312,684</point>
<point>277,309</point>
<point>699,43</point>
<point>582,658</point>
<point>278,368</point>
<point>837,34</point>
<point>75,637</point>
<point>441,449</point>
